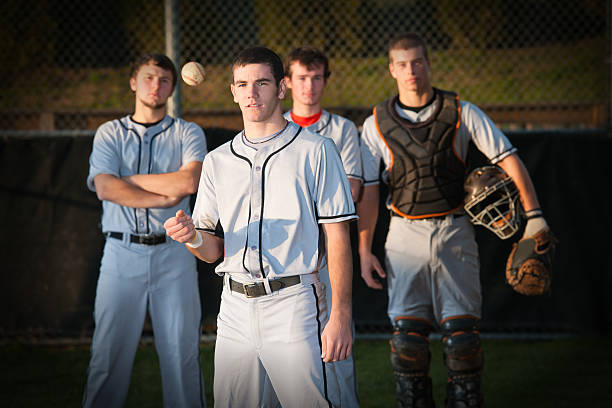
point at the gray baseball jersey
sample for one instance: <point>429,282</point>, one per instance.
<point>344,134</point>
<point>432,264</point>
<point>270,203</point>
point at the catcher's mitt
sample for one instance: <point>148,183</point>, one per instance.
<point>528,269</point>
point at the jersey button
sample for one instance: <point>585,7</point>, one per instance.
<point>253,247</point>
<point>258,168</point>
<point>256,217</point>
<point>258,275</point>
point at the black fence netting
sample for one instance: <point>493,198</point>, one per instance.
<point>51,243</point>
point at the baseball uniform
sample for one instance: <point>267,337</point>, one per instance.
<point>270,199</point>
<point>341,374</point>
<point>432,263</point>
<point>142,270</point>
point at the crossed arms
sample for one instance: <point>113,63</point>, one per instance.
<point>149,190</point>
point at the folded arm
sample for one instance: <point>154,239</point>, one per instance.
<point>179,183</point>
<point>118,191</point>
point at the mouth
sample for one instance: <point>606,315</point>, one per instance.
<point>254,105</point>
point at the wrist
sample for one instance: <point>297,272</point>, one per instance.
<point>196,241</point>
<point>533,213</point>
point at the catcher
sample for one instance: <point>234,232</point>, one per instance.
<point>492,201</point>
<point>421,138</point>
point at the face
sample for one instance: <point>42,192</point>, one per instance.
<point>410,69</point>
<point>306,84</point>
<point>256,93</point>
<point>152,85</point>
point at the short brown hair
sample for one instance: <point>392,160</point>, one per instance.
<point>260,55</point>
<point>407,41</point>
<point>160,60</point>
<point>309,57</point>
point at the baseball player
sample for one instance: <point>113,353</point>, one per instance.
<point>281,197</point>
<point>143,168</point>
<point>306,74</point>
<point>431,256</point>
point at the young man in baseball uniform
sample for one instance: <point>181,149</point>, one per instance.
<point>431,256</point>
<point>143,168</point>
<point>281,197</point>
<point>306,74</point>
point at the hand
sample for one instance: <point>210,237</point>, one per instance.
<point>336,340</point>
<point>180,228</point>
<point>369,262</point>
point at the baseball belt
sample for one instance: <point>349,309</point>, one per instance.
<point>153,239</point>
<point>257,289</point>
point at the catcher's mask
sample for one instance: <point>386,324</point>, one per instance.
<point>492,200</point>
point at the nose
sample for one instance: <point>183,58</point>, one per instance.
<point>252,91</point>
<point>308,84</point>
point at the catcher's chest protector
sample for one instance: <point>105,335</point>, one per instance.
<point>426,176</point>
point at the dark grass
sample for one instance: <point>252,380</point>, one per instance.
<point>570,372</point>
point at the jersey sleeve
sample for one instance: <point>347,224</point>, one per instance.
<point>104,158</point>
<point>485,134</point>
<point>206,211</point>
<point>194,143</point>
<point>371,153</point>
<point>350,152</point>
<point>334,202</point>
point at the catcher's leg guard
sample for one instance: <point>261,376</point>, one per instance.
<point>410,359</point>
<point>464,360</point>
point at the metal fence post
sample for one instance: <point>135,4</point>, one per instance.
<point>172,50</point>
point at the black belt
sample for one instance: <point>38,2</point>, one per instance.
<point>152,239</point>
<point>258,289</point>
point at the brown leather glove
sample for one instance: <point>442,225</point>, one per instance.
<point>529,266</point>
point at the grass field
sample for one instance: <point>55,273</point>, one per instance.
<point>571,372</point>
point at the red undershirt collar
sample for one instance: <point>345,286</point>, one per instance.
<point>306,121</point>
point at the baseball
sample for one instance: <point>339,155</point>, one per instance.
<point>193,73</point>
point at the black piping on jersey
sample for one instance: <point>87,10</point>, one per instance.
<point>205,229</point>
<point>314,292</point>
<point>263,197</point>
<point>325,125</point>
<point>246,242</point>
<point>508,152</point>
<point>138,165</point>
<point>331,217</point>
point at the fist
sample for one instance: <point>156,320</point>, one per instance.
<point>180,227</point>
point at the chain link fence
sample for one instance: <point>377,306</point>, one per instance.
<point>528,63</point>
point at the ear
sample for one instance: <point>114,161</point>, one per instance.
<point>233,93</point>
<point>133,84</point>
<point>282,89</point>
<point>288,82</point>
<point>392,70</point>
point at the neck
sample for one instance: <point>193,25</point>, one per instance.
<point>416,98</point>
<point>257,130</point>
<point>144,114</point>
<point>305,110</point>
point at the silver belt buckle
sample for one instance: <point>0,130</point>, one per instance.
<point>247,293</point>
